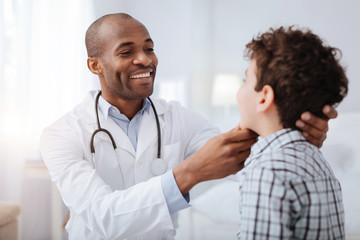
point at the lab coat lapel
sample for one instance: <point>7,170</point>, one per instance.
<point>148,129</point>
<point>121,139</point>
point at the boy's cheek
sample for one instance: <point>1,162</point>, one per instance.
<point>238,97</point>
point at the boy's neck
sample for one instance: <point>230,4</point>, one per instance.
<point>268,124</point>
<point>269,130</point>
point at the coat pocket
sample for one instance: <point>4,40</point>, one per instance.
<point>173,154</point>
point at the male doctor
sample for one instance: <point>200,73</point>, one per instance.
<point>126,192</point>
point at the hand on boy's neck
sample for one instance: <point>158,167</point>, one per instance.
<point>314,128</point>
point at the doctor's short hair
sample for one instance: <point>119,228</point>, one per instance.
<point>304,73</point>
<point>93,40</point>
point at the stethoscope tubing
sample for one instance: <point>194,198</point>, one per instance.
<point>100,129</point>
<point>158,128</point>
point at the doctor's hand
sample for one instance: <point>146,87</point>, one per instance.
<point>219,157</point>
<point>315,128</point>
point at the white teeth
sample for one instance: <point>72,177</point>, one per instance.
<point>143,75</point>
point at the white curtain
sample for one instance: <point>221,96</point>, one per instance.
<point>43,74</point>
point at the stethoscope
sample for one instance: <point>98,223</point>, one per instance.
<point>157,165</point>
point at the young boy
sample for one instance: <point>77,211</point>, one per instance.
<point>288,190</point>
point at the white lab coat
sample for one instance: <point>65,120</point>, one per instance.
<point>109,203</point>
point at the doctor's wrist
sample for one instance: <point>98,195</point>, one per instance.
<point>184,177</point>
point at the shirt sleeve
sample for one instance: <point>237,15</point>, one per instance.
<point>174,199</point>
<point>264,208</point>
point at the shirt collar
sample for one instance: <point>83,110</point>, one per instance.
<point>273,141</point>
<point>105,107</point>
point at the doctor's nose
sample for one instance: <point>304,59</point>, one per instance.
<point>142,59</point>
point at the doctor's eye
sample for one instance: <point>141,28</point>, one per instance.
<point>149,50</point>
<point>125,53</point>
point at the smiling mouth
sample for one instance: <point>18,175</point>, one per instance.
<point>142,75</point>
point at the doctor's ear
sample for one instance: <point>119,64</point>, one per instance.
<point>94,65</point>
<point>266,99</point>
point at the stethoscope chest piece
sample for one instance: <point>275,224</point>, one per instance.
<point>158,166</point>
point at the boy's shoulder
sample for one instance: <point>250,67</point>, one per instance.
<point>293,161</point>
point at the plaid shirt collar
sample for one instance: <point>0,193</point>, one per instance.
<point>273,141</point>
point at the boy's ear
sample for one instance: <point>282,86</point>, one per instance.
<point>94,65</point>
<point>266,99</point>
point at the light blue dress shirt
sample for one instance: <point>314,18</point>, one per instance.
<point>174,199</point>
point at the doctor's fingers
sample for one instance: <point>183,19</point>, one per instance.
<point>238,135</point>
<point>314,129</point>
<point>242,146</point>
<point>315,140</point>
<point>330,111</point>
<point>238,161</point>
<point>238,151</point>
<point>242,156</point>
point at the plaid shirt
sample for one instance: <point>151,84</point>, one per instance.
<point>288,191</point>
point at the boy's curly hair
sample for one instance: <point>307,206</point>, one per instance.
<point>304,73</point>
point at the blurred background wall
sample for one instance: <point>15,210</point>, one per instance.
<point>43,71</point>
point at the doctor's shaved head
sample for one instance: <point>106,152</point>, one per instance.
<point>94,38</point>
